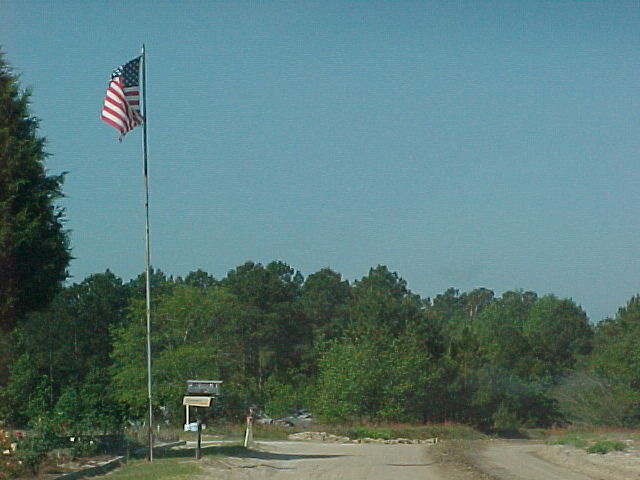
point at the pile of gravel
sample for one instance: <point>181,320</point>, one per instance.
<point>327,437</point>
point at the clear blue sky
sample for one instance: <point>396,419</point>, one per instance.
<point>463,144</point>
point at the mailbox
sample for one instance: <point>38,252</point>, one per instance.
<point>204,387</point>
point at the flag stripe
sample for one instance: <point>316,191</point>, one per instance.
<point>121,107</point>
<point>116,124</point>
<point>111,113</point>
<point>115,105</point>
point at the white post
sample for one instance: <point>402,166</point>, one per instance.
<point>248,436</point>
<point>147,249</point>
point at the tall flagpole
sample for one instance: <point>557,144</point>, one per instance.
<point>147,249</point>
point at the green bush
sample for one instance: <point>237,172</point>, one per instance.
<point>369,432</point>
<point>84,449</point>
<point>572,439</point>
<point>606,446</point>
<point>587,400</point>
<point>505,420</point>
<point>283,398</point>
<point>33,450</point>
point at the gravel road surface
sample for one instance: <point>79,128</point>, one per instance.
<point>474,460</point>
<point>329,461</point>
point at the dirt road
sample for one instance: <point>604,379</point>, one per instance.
<point>519,460</point>
<point>481,460</point>
<point>536,461</point>
<point>329,461</point>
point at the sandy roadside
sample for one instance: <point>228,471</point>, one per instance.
<point>529,460</point>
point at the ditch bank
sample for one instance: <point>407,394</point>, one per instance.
<point>100,466</point>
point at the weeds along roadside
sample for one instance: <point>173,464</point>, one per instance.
<point>594,439</point>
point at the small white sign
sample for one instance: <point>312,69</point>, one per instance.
<point>191,427</point>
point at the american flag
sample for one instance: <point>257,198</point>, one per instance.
<point>121,107</point>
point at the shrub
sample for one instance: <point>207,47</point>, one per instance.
<point>574,440</point>
<point>370,432</point>
<point>505,420</point>
<point>33,449</point>
<point>587,400</point>
<point>282,397</point>
<point>606,446</point>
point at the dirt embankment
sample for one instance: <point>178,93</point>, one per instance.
<point>529,460</point>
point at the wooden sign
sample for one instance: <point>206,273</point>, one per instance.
<point>199,401</point>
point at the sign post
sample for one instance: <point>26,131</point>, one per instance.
<point>200,393</point>
<point>199,441</point>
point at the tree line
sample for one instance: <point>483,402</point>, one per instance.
<point>366,350</point>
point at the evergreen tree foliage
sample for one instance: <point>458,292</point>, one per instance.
<point>381,305</point>
<point>277,333</point>
<point>616,354</point>
<point>324,298</point>
<point>609,385</point>
<point>34,247</point>
<point>200,279</point>
<point>66,349</point>
<point>159,283</point>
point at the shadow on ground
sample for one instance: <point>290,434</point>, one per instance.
<point>258,454</point>
<point>236,451</point>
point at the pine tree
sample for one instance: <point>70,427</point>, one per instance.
<point>34,246</point>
